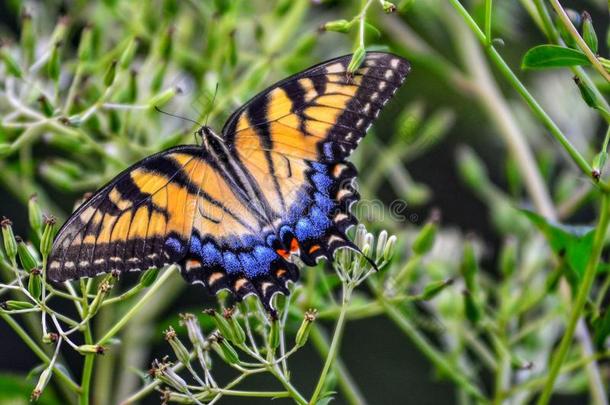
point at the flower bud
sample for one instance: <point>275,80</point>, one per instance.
<point>43,380</point>
<point>586,93</point>
<point>54,63</point>
<point>471,307</point>
<point>110,74</point>
<point>303,332</point>
<point>46,106</point>
<point>130,95</point>
<point>435,288</point>
<point>166,44</point>
<point>35,214</point>
<point>162,98</point>
<point>225,350</point>
<point>427,235</point>
<point>360,235</point>
<point>10,243</point>
<point>28,37</point>
<point>222,324</point>
<point>91,349</point>
<point>471,169</point>
<point>357,59</point>
<point>35,283</point>
<point>86,44</point>
<point>239,336</point>
<point>193,329</point>
<point>158,77</point>
<point>12,305</point>
<point>598,164</point>
<point>48,234</point>
<point>102,292</point>
<point>50,338</point>
<point>508,258</point>
<point>26,255</point>
<point>162,371</point>
<point>181,352</point>
<point>149,277</point>
<point>388,7</point>
<point>229,353</point>
<point>129,53</point>
<point>59,33</point>
<point>382,239</point>
<point>469,267</point>
<point>388,251</point>
<point>588,32</point>
<point>337,26</point>
<point>12,67</point>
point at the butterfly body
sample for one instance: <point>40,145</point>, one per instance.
<point>234,211</point>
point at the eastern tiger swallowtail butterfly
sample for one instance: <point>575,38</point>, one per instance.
<point>233,211</point>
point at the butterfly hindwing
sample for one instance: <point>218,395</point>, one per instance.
<point>292,141</point>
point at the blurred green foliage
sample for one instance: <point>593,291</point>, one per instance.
<point>509,314</point>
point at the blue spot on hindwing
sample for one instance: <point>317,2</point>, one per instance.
<point>210,255</point>
<point>250,265</point>
<point>319,167</point>
<point>306,230</point>
<point>319,219</point>
<point>322,201</point>
<point>264,256</point>
<point>231,263</point>
<point>322,182</point>
<point>174,245</point>
<point>328,151</point>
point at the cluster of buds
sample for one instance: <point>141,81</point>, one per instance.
<point>374,254</point>
<point>163,371</point>
<point>228,325</point>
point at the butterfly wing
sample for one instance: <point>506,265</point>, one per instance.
<point>289,144</point>
<point>292,141</point>
<point>141,219</point>
<point>172,207</point>
<point>320,114</point>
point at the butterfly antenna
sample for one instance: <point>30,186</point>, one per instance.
<point>211,105</point>
<point>176,116</point>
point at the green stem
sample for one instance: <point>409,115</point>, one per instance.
<point>334,346</point>
<point>137,306</point>
<point>547,22</point>
<point>579,40</point>
<point>87,368</point>
<point>510,76</point>
<point>64,378</point>
<point>581,299</point>
<point>441,363</point>
<point>277,372</point>
<point>253,394</point>
<point>348,386</point>
<point>488,8</point>
<point>553,36</point>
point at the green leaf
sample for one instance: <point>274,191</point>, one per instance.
<point>553,56</point>
<point>16,389</point>
<point>571,242</point>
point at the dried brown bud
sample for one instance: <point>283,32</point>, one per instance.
<point>169,334</point>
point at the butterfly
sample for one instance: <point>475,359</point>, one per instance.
<point>233,211</point>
